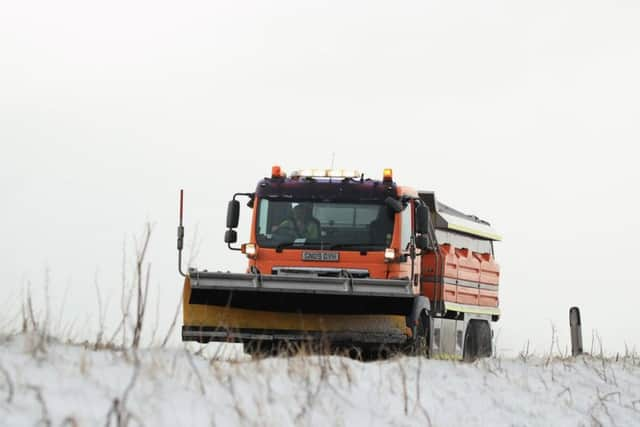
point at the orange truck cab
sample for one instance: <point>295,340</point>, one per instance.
<point>349,261</point>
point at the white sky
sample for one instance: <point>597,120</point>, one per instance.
<point>522,113</point>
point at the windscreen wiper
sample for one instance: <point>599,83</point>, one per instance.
<point>283,245</point>
<point>299,245</point>
<point>364,246</point>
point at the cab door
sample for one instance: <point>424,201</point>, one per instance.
<point>407,244</point>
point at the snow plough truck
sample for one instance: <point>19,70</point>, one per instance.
<point>350,262</point>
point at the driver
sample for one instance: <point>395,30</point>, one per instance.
<point>301,223</point>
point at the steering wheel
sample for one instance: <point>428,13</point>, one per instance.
<point>285,234</point>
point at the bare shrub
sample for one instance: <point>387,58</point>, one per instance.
<point>525,354</point>
<point>102,312</point>
<point>126,295</point>
<point>139,288</point>
<point>45,419</point>
<point>31,323</point>
<point>173,322</point>
<point>118,411</point>
<point>196,372</point>
<point>10,387</point>
<point>142,275</point>
<point>70,422</point>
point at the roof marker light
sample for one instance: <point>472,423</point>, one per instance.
<point>276,172</point>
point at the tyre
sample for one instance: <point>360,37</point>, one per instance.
<point>477,341</point>
<point>484,340</point>
<point>258,349</point>
<point>419,344</point>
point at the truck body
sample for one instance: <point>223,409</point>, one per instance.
<point>386,266</point>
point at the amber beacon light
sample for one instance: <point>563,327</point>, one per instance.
<point>387,175</point>
<point>276,171</point>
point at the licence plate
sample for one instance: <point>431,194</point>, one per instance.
<point>320,256</point>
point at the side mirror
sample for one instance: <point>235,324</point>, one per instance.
<point>230,236</point>
<point>233,214</point>
<point>423,218</point>
<point>422,242</point>
<point>395,205</point>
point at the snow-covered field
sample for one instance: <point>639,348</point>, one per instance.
<point>55,384</point>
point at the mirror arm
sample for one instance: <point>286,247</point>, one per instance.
<point>396,205</point>
<point>251,197</point>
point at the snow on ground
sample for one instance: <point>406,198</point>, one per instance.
<point>61,384</point>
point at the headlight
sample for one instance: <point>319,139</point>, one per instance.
<point>250,250</point>
<point>389,254</point>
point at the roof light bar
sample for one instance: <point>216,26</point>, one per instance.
<point>326,173</point>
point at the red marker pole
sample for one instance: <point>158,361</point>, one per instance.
<point>181,203</point>
<point>180,235</point>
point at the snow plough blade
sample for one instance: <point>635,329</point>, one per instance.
<point>243,307</point>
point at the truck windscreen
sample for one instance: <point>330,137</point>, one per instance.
<point>323,225</point>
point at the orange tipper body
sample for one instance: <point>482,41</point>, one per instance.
<point>347,261</point>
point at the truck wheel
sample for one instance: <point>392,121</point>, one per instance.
<point>366,354</point>
<point>374,353</point>
<point>258,349</point>
<point>477,341</point>
<point>484,339</point>
<point>419,345</point>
